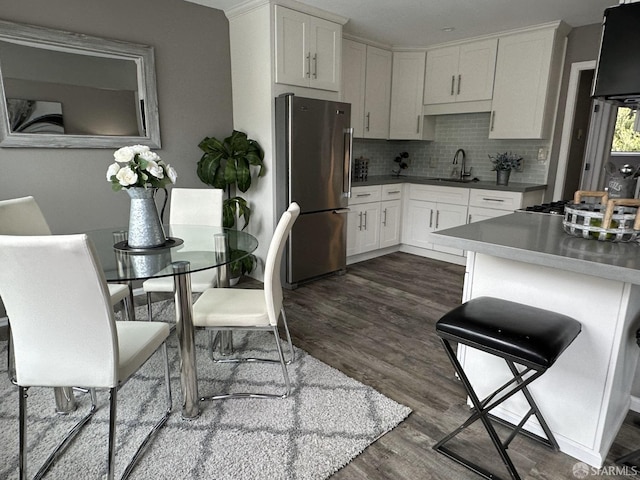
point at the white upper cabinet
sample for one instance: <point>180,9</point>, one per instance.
<point>354,71</point>
<point>406,96</point>
<point>366,85</point>
<point>377,93</point>
<point>308,50</point>
<point>461,73</point>
<point>528,72</point>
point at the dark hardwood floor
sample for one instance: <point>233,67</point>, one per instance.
<point>376,324</point>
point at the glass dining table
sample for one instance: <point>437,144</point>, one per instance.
<point>189,248</point>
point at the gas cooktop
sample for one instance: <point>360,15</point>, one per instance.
<point>551,208</point>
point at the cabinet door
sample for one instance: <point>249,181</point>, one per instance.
<point>448,216</point>
<point>406,96</point>
<point>521,85</point>
<point>440,76</point>
<point>420,223</point>
<point>476,71</point>
<point>477,214</point>
<point>390,223</point>
<point>354,229</point>
<point>293,61</point>
<point>354,68</point>
<point>377,96</point>
<point>325,42</point>
<point>371,227</point>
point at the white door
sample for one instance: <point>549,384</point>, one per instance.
<point>476,71</point>
<point>354,68</point>
<point>390,223</point>
<point>406,96</point>
<point>440,77</point>
<point>449,216</point>
<point>377,96</point>
<point>292,48</point>
<point>420,223</point>
<point>326,48</point>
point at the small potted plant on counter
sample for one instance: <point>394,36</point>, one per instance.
<point>503,163</point>
<point>402,163</point>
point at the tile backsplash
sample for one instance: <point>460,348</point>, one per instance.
<point>434,158</point>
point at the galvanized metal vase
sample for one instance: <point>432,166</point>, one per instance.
<point>145,227</point>
<point>503,177</point>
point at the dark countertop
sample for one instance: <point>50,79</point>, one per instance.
<point>541,240</point>
<point>391,179</point>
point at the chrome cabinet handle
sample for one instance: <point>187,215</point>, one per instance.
<point>308,74</point>
<point>393,192</point>
<point>492,199</point>
<point>315,65</point>
<point>368,120</point>
<point>418,125</point>
<point>384,222</point>
<point>363,195</point>
<point>437,218</point>
<point>365,220</point>
<point>459,82</point>
<point>360,226</point>
<point>431,218</point>
<point>453,82</point>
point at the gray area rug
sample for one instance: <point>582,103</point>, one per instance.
<point>326,422</point>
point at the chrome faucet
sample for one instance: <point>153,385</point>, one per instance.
<point>463,169</point>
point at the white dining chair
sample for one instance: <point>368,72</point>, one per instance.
<point>189,206</point>
<point>22,216</point>
<point>59,342</point>
<point>253,309</point>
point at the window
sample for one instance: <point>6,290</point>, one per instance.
<point>625,138</point>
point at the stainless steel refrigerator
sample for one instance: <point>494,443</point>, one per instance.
<point>313,168</point>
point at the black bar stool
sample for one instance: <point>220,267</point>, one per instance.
<point>531,337</point>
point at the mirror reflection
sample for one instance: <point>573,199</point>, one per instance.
<point>67,90</point>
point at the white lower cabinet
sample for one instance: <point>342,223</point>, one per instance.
<point>363,220</point>
<point>374,219</point>
<point>404,215</point>
<point>431,208</point>
<point>390,215</point>
<point>485,204</point>
<point>363,230</point>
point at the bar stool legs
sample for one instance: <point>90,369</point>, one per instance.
<point>529,340</point>
<point>481,409</point>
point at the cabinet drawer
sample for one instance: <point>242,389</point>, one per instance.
<point>495,199</point>
<point>365,194</point>
<point>391,192</point>
<point>430,193</point>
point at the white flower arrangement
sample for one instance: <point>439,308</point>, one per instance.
<point>138,166</point>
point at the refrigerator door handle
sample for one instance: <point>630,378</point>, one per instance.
<point>348,149</point>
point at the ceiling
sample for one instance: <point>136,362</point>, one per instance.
<point>419,23</point>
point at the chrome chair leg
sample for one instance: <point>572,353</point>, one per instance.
<point>292,353</point>
<point>159,424</point>
<point>111,453</point>
<point>62,446</point>
<point>149,307</point>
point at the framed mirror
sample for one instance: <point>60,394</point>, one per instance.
<point>67,90</point>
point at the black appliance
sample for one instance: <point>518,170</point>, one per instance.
<point>551,208</point>
<point>617,76</point>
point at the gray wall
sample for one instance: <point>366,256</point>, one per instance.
<point>194,94</point>
<point>583,45</point>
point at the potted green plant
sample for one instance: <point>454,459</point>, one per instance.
<point>503,163</point>
<point>227,164</point>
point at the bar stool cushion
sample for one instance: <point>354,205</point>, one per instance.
<point>526,335</point>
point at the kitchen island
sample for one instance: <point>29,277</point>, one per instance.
<point>527,258</point>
